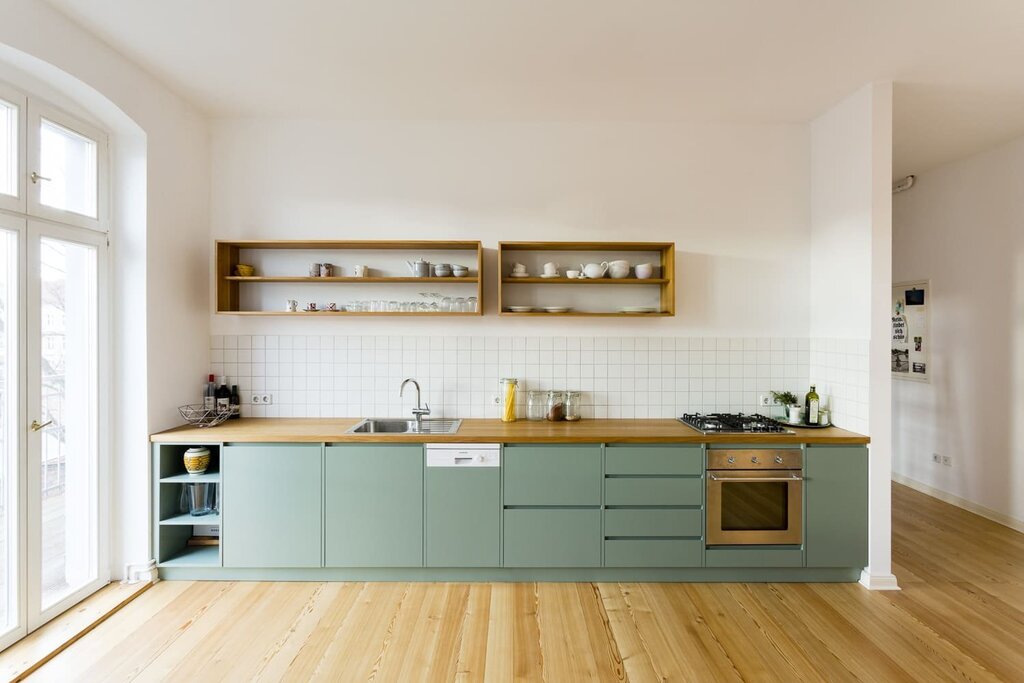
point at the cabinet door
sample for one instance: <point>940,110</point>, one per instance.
<point>837,506</point>
<point>552,474</point>
<point>463,516</point>
<point>374,505</point>
<point>272,508</point>
<point>538,537</point>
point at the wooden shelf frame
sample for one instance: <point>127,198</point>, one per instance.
<point>228,285</point>
<point>665,283</point>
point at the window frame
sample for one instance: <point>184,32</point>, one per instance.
<point>36,112</point>
<point>17,203</point>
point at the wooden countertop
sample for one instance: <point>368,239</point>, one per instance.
<point>283,430</point>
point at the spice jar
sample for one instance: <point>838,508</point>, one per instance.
<point>572,406</point>
<point>509,386</point>
<point>556,406</point>
<point>536,405</point>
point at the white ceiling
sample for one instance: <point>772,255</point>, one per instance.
<point>958,64</point>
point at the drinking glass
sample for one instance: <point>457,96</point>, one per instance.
<point>471,304</point>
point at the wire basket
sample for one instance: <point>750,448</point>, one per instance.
<point>198,415</point>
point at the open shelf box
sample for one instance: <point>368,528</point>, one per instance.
<point>173,527</point>
<point>281,264</point>
<point>602,297</point>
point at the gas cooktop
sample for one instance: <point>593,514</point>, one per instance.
<point>732,423</point>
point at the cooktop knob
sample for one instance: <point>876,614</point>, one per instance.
<point>778,459</point>
<point>753,460</point>
<point>731,460</point>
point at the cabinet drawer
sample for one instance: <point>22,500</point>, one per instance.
<point>653,491</point>
<point>652,523</point>
<point>754,557</point>
<point>552,538</point>
<point>654,460</point>
<point>652,553</point>
<point>552,475</point>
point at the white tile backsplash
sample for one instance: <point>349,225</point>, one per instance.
<point>620,377</point>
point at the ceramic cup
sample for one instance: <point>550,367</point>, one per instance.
<point>572,274</point>
<point>551,268</point>
<point>442,270</point>
<point>460,271</point>
<point>291,305</point>
<point>326,269</point>
<point>519,268</point>
<point>314,269</point>
<point>331,306</point>
<point>311,306</point>
<point>644,271</point>
<point>618,269</point>
<point>361,271</point>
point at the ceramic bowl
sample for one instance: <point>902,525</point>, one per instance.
<point>245,270</point>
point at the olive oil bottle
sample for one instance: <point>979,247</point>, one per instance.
<point>811,403</point>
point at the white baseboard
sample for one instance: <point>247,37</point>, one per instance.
<point>879,582</point>
<point>945,496</point>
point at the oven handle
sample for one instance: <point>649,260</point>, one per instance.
<point>794,477</point>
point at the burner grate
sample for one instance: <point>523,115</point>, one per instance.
<point>732,423</point>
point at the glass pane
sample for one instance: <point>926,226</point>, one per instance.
<point>755,506</point>
<point>69,442</point>
<point>8,149</point>
<point>67,163</point>
<point>8,428</point>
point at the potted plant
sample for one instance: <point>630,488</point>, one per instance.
<point>789,403</point>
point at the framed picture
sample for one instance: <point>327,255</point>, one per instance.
<point>911,330</point>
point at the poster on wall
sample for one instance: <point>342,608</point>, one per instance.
<point>911,328</point>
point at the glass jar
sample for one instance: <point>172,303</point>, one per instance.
<point>572,406</point>
<point>509,386</point>
<point>556,406</point>
<point>536,405</point>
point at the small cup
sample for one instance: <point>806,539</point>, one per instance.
<point>644,271</point>
<point>311,306</point>
<point>572,274</point>
<point>551,268</point>
<point>361,271</point>
<point>460,271</point>
<point>326,270</point>
<point>331,306</point>
<point>519,268</point>
<point>314,269</point>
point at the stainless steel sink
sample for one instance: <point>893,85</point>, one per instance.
<point>402,426</point>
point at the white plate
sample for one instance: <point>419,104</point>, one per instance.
<point>638,309</point>
<point>519,275</point>
<point>520,309</point>
<point>550,276</point>
<point>557,309</point>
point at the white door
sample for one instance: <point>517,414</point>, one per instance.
<point>64,310</point>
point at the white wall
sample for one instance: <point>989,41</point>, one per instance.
<point>961,227</point>
<point>160,243</point>
<point>851,172</point>
<point>734,199</point>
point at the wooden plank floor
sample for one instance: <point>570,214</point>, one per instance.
<point>960,617</point>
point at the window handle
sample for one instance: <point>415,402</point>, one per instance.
<point>36,426</point>
<point>35,177</point>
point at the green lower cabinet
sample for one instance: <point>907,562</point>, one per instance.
<point>653,523</point>
<point>552,537</point>
<point>754,557</point>
<point>552,474</point>
<point>463,517</point>
<point>373,512</point>
<point>679,459</point>
<point>271,509</point>
<point>836,527</point>
<point>653,491</point>
<point>653,552</point>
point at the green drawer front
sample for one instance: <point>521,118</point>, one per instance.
<point>652,523</point>
<point>754,557</point>
<point>654,460</point>
<point>552,475</point>
<point>552,538</point>
<point>652,553</point>
<point>653,491</point>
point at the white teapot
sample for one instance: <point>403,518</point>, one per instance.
<point>594,271</point>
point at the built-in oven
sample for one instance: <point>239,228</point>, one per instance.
<point>755,497</point>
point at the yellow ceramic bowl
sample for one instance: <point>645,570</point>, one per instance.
<point>245,270</point>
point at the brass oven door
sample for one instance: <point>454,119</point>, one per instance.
<point>755,507</point>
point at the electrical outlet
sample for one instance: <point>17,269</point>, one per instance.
<point>262,399</point>
<point>764,400</point>
<point>936,458</point>
<point>496,399</point>
<point>947,460</point>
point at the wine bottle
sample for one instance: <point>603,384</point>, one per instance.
<point>210,394</point>
<point>223,396</point>
<point>811,403</point>
<point>236,403</point>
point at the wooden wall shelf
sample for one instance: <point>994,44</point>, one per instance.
<point>509,287</point>
<point>229,285</point>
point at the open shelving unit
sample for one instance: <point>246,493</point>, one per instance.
<point>172,528</point>
<point>278,260</point>
<point>659,291</point>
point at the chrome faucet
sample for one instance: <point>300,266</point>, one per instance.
<point>418,412</point>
